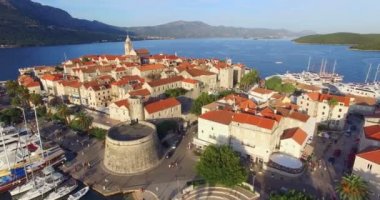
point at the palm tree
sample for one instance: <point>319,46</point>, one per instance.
<point>64,112</point>
<point>83,121</point>
<point>35,99</point>
<point>352,187</point>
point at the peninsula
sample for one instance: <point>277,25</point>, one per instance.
<point>354,40</point>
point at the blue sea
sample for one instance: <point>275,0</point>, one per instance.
<point>268,56</point>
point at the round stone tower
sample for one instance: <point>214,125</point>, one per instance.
<point>132,148</point>
<point>136,108</point>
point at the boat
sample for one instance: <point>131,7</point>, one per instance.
<point>63,190</point>
<point>79,194</point>
<point>50,183</point>
<point>278,62</point>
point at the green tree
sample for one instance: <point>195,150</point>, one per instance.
<point>221,165</point>
<point>35,99</point>
<point>199,102</point>
<point>274,83</point>
<point>64,112</point>
<point>55,102</point>
<point>11,115</point>
<point>290,195</point>
<point>98,133</point>
<point>11,88</point>
<point>288,88</point>
<point>249,79</point>
<point>82,122</point>
<point>352,187</point>
<point>332,103</point>
<point>41,111</point>
<point>175,92</point>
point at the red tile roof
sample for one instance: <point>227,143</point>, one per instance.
<point>299,116</point>
<point>161,105</point>
<point>165,81</point>
<point>125,80</point>
<point>151,67</point>
<point>219,116</point>
<point>142,51</point>
<point>164,56</point>
<point>326,97</point>
<point>33,84</point>
<point>372,132</point>
<point>262,91</point>
<point>120,69</point>
<point>296,134</point>
<point>142,92</point>
<point>68,83</point>
<point>52,77</point>
<point>189,80</point>
<point>254,120</point>
<point>123,102</point>
<point>371,155</point>
<point>199,72</point>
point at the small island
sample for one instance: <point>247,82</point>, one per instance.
<point>370,42</point>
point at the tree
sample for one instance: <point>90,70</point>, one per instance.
<point>175,92</point>
<point>352,187</point>
<point>290,195</point>
<point>82,122</point>
<point>249,79</point>
<point>199,102</point>
<point>64,112</point>
<point>288,88</point>
<point>220,164</point>
<point>35,99</point>
<point>332,103</point>
<point>11,88</point>
<point>98,133</point>
<point>274,83</point>
<point>11,115</point>
<point>55,102</point>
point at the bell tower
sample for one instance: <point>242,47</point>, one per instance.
<point>128,47</point>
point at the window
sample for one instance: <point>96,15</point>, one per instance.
<point>323,113</point>
<point>340,109</point>
<point>338,116</point>
<point>324,107</point>
<point>369,166</point>
<point>307,104</point>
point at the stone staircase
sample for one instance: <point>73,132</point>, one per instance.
<point>218,193</point>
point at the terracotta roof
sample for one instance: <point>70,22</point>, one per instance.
<point>165,81</point>
<point>68,83</point>
<point>262,91</point>
<point>361,100</point>
<point>125,80</point>
<point>123,102</point>
<point>372,132</point>
<point>254,120</point>
<point>326,97</point>
<point>142,51</point>
<point>372,155</point>
<point>164,56</point>
<point>33,84</point>
<point>198,72</point>
<point>161,105</point>
<point>299,116</point>
<point>219,116</point>
<point>189,80</point>
<point>120,69</point>
<point>144,68</point>
<point>52,77</point>
<point>308,87</point>
<point>296,134</point>
<point>142,92</point>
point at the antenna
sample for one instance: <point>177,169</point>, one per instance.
<point>369,69</point>
<point>377,71</point>
<point>308,65</point>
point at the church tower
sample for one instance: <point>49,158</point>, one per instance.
<point>128,47</point>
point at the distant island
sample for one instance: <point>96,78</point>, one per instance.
<point>370,42</point>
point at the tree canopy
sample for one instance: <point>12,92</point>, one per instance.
<point>10,115</point>
<point>290,195</point>
<point>175,92</point>
<point>249,79</point>
<point>81,122</point>
<point>333,102</point>
<point>221,165</point>
<point>35,99</point>
<point>205,99</point>
<point>275,83</point>
<point>352,187</point>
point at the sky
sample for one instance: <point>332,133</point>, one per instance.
<point>322,16</point>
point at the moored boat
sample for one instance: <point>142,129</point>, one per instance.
<point>63,190</point>
<point>79,194</point>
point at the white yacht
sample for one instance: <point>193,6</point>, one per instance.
<point>79,194</point>
<point>63,190</point>
<point>367,90</point>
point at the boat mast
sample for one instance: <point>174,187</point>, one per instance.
<point>308,65</point>
<point>38,131</point>
<point>334,67</point>
<point>377,71</point>
<point>320,69</point>
<point>5,149</point>
<point>324,67</point>
<point>369,69</point>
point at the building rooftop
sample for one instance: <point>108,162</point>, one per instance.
<point>372,132</point>
<point>161,105</point>
<point>165,81</point>
<point>372,155</point>
<point>297,134</point>
<point>128,132</point>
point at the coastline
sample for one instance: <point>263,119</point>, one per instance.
<point>350,46</point>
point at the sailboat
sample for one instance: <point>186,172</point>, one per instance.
<point>63,190</point>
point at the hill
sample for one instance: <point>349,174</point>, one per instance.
<point>197,29</point>
<point>356,41</point>
<point>23,23</point>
